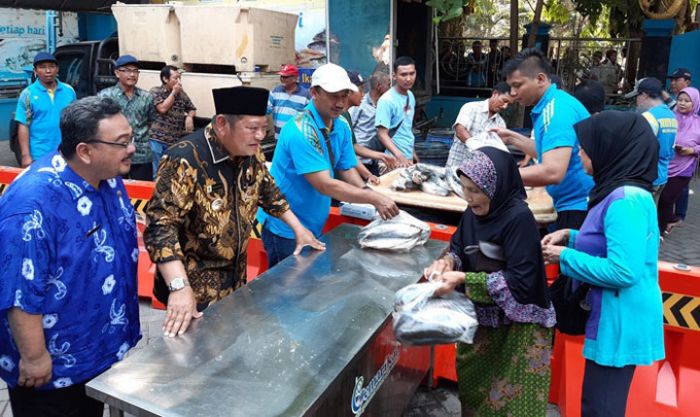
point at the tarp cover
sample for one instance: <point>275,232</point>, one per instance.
<point>67,5</point>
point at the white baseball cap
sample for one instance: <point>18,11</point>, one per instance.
<point>332,78</point>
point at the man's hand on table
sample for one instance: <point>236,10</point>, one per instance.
<point>305,238</point>
<point>182,308</point>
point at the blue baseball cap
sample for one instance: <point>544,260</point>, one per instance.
<point>126,60</point>
<point>356,78</point>
<point>44,57</point>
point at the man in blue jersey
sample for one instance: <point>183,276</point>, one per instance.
<point>394,116</point>
<point>647,93</point>
<point>39,108</point>
<point>555,146</point>
<point>287,99</point>
<point>315,161</point>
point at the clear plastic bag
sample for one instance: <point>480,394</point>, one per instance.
<point>420,318</point>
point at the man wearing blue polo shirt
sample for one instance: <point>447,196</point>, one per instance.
<point>662,120</point>
<point>555,146</point>
<point>394,115</point>
<point>287,99</point>
<point>39,110</point>
<point>313,149</point>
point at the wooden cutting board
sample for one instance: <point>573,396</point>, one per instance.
<point>537,199</point>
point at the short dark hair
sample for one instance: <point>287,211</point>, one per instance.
<point>609,52</point>
<point>403,61</point>
<point>591,94</point>
<point>80,121</point>
<point>501,87</point>
<point>529,62</point>
<point>166,72</point>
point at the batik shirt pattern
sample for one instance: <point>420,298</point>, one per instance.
<point>68,253</point>
<point>202,213</point>
<point>140,112</point>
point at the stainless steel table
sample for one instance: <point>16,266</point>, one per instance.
<point>311,336</point>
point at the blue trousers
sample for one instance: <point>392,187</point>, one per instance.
<point>277,247</point>
<point>158,148</point>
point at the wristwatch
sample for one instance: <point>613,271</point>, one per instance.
<point>177,283</point>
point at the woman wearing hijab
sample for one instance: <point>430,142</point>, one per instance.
<point>506,371</point>
<point>682,166</point>
<point>616,252</point>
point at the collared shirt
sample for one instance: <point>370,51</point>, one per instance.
<point>69,253</point>
<point>301,149</point>
<point>284,106</point>
<point>168,128</point>
<point>363,128</point>
<point>474,117</point>
<point>664,124</point>
<point>41,113</point>
<point>202,213</point>
<point>394,108</point>
<point>553,119</point>
<point>140,112</point>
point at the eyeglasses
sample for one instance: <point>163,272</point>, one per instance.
<point>128,70</point>
<point>122,144</point>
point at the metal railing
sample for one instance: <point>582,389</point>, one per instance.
<point>464,70</point>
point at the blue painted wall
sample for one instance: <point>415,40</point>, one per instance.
<point>96,26</point>
<point>685,52</point>
<point>359,26</point>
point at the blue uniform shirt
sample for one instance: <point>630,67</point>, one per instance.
<point>41,114</point>
<point>663,123</point>
<point>392,108</point>
<point>301,149</point>
<point>553,119</point>
<point>69,253</point>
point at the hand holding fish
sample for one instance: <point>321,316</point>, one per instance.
<point>385,206</point>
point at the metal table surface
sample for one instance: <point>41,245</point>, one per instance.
<point>274,346</point>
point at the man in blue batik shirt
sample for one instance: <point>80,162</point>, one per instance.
<point>68,289</point>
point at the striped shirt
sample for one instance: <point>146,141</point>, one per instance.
<point>284,106</point>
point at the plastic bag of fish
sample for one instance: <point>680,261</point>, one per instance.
<point>421,318</point>
<point>399,234</point>
<point>430,179</point>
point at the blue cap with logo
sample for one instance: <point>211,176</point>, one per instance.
<point>44,57</point>
<point>126,60</point>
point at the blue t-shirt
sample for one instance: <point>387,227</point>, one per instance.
<point>301,149</point>
<point>553,119</point>
<point>392,108</point>
<point>69,253</point>
<point>42,115</point>
<point>663,123</point>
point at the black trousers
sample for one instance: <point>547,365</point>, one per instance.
<point>605,390</point>
<point>667,200</point>
<point>570,219</point>
<point>64,402</point>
